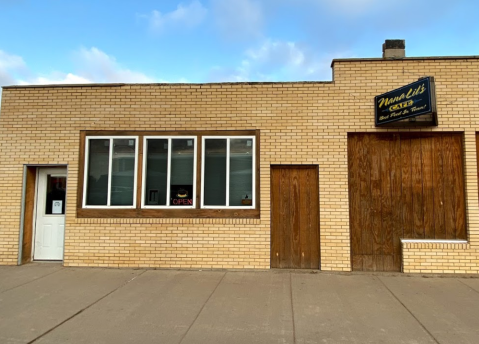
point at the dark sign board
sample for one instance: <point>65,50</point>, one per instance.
<point>408,101</point>
<point>181,195</point>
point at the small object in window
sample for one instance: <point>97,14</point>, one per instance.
<point>182,193</point>
<point>246,200</point>
<point>153,197</point>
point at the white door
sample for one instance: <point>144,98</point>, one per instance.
<point>50,214</point>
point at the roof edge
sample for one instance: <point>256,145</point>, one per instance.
<point>168,84</point>
<point>377,59</point>
<point>66,85</point>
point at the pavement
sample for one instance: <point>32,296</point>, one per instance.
<point>48,303</point>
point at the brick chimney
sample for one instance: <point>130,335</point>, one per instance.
<point>394,49</point>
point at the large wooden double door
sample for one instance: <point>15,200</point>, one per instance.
<point>403,185</point>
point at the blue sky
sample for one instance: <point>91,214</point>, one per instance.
<point>54,41</point>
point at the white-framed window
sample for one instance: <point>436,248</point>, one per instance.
<point>169,172</point>
<point>110,172</point>
<point>228,172</point>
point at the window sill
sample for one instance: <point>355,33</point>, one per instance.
<point>433,241</point>
<point>168,213</point>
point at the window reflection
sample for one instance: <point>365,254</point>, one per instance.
<point>175,164</point>
<point>97,183</point>
<point>241,172</point>
<point>55,197</point>
<point>122,172</point>
<point>156,171</point>
<point>215,172</point>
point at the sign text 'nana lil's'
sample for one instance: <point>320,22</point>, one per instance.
<point>408,101</point>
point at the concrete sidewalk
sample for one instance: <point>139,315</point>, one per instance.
<point>46,303</point>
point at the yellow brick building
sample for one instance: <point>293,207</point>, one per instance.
<point>285,143</point>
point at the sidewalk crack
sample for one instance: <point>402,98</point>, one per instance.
<point>407,309</point>
<point>292,306</point>
<point>467,285</point>
<point>201,309</point>
<point>33,280</point>
<point>85,308</point>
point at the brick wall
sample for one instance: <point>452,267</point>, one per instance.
<point>300,123</point>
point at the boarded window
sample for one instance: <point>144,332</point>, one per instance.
<point>403,185</point>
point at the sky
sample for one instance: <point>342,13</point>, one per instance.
<point>200,41</point>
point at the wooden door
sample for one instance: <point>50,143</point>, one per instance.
<point>403,185</point>
<point>295,217</point>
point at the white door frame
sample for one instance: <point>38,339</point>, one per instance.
<point>45,170</point>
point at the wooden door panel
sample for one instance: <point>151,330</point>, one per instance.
<point>365,195</point>
<point>375,209</point>
<point>386,213</point>
<point>313,177</point>
<point>27,243</point>
<point>403,185</point>
<point>438,189</point>
<point>304,221</point>
<point>294,217</point>
<point>427,166</point>
<point>396,188</point>
<point>294,225</point>
<point>459,187</point>
<point>417,191</point>
<point>286,235</point>
<point>355,199</point>
<point>276,221</point>
<point>406,189</point>
<point>449,202</point>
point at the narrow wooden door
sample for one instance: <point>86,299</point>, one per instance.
<point>295,217</point>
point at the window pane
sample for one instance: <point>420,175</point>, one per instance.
<point>97,182</point>
<point>55,198</point>
<point>156,172</point>
<point>122,172</point>
<point>215,172</point>
<point>182,167</point>
<point>241,172</point>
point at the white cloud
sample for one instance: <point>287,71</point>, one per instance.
<point>11,66</point>
<point>6,78</point>
<point>238,18</point>
<point>90,66</point>
<point>353,4</point>
<point>225,74</point>
<point>189,15</point>
<point>277,61</point>
<point>14,71</point>
<point>282,60</point>
<point>278,53</point>
<point>8,61</point>
<point>93,64</point>
<point>356,7</point>
<point>56,78</point>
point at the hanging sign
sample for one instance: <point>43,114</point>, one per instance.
<point>181,195</point>
<point>408,101</point>
<point>57,207</point>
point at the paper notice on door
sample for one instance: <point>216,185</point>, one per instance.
<point>57,207</point>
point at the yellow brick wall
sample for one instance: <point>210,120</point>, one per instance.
<point>440,258</point>
<point>300,123</point>
<point>457,94</point>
